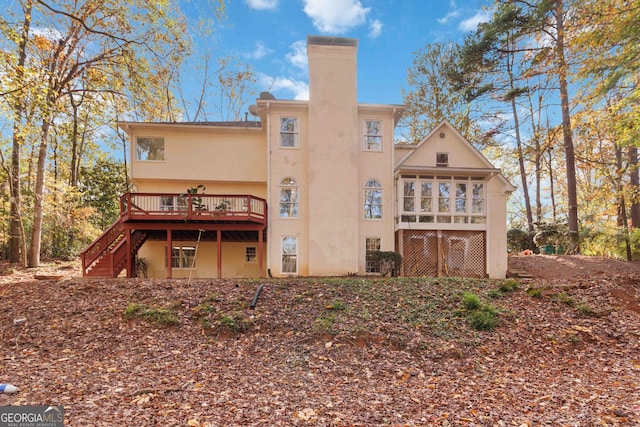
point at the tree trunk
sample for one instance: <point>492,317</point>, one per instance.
<point>523,170</point>
<point>17,241</point>
<point>634,179</point>
<point>38,204</point>
<point>572,193</point>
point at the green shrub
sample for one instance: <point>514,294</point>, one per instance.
<point>480,316</point>
<point>471,301</point>
<point>535,292</point>
<point>585,309</point>
<point>483,320</point>
<point>155,315</point>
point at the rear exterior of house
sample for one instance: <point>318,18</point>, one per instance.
<point>306,188</point>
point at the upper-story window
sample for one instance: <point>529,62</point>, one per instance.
<point>373,135</point>
<point>443,199</point>
<point>149,149</point>
<point>372,200</point>
<point>289,201</point>
<point>289,132</point>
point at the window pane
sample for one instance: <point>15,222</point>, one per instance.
<point>409,188</point>
<point>289,124</point>
<point>373,204</point>
<point>288,140</point>
<point>408,202</point>
<point>188,256</point>
<point>289,254</point>
<point>373,135</point>
<point>461,198</point>
<point>288,132</point>
<point>426,199</point>
<point>288,203</point>
<point>371,244</point>
<point>477,203</point>
<point>443,200</point>
<point>408,205</point>
<point>477,207</point>
<point>149,149</point>
<point>175,257</point>
<point>250,254</point>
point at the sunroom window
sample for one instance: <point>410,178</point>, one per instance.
<point>442,199</point>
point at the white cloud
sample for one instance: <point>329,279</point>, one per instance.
<point>262,4</point>
<point>472,23</point>
<point>298,55</point>
<point>451,15</point>
<point>298,88</point>
<point>259,52</point>
<point>336,16</point>
<point>375,28</point>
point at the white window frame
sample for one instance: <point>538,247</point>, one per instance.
<point>295,133</point>
<point>283,254</point>
<point>368,137</point>
<point>436,214</point>
<point>289,186</point>
<point>369,268</point>
<point>142,156</point>
<point>370,188</point>
<point>183,262</point>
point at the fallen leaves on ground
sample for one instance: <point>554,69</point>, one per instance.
<point>324,352</point>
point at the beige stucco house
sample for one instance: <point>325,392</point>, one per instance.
<point>305,188</point>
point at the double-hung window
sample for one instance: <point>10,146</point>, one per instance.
<point>290,255</point>
<point>289,132</point>
<point>373,135</point>
<point>149,149</point>
<point>417,198</point>
<point>183,257</point>
<point>289,200</point>
<point>372,200</point>
<point>372,244</point>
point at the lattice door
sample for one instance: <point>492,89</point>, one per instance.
<point>444,253</point>
<point>420,253</point>
<point>463,254</point>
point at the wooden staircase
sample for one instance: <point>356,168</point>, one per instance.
<point>107,255</point>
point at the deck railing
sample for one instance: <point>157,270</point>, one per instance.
<point>196,207</point>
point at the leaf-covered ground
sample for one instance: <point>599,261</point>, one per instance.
<point>325,352</point>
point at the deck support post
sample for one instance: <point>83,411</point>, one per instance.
<point>219,242</point>
<point>169,253</point>
<point>260,253</point>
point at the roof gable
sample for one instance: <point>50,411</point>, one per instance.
<point>445,138</point>
<point>462,156</point>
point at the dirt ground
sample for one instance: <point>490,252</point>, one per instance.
<point>359,352</point>
<point>553,267</point>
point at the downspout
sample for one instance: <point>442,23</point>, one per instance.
<point>269,237</point>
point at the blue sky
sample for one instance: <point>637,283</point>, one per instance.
<point>270,35</point>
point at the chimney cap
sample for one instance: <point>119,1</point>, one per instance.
<point>334,41</point>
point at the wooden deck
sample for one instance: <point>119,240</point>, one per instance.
<point>163,207</point>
